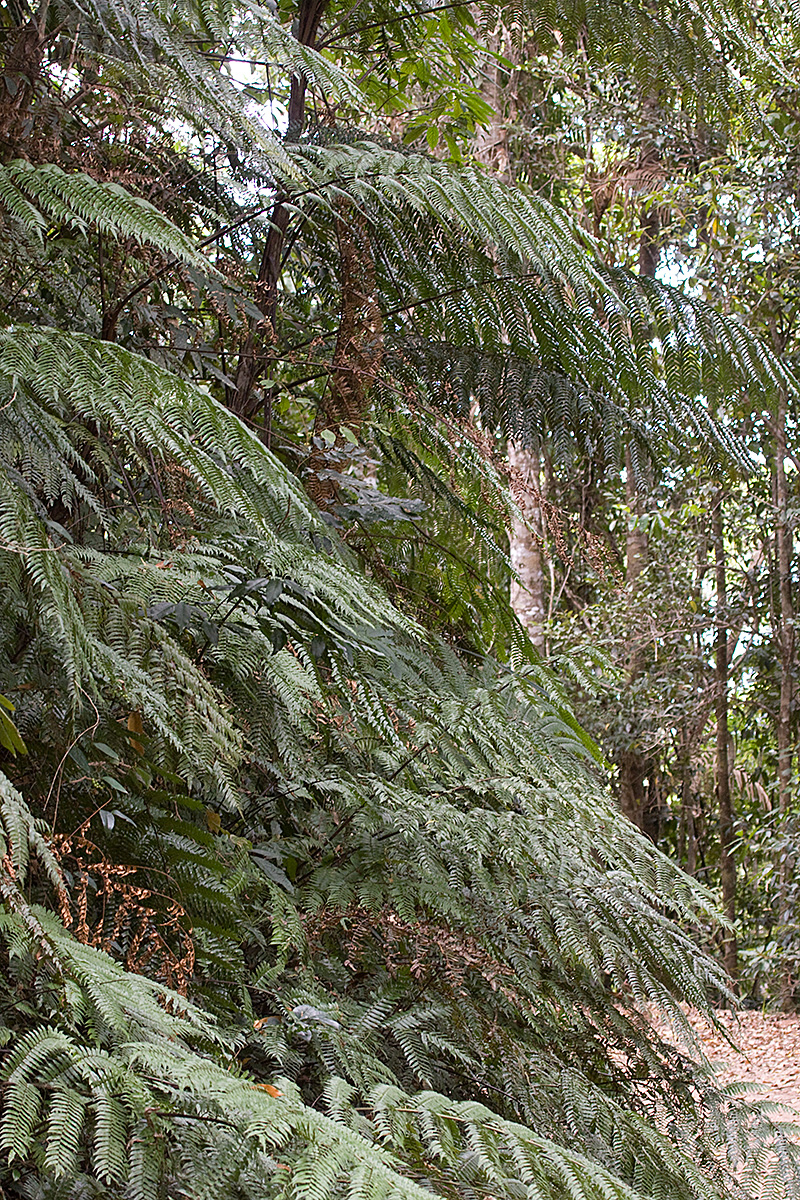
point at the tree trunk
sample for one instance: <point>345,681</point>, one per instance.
<point>636,791</point>
<point>785,640</point>
<point>491,141</point>
<point>783,548</point>
<point>525,544</point>
<point>687,832</point>
<point>687,797</point>
<point>527,597</point>
<point>252,356</point>
<point>359,349</point>
<point>636,537</point>
<point>649,242</point>
<point>727,866</point>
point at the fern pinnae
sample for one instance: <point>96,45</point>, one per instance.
<point>75,198</point>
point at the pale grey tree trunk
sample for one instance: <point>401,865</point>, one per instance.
<point>727,865</point>
<point>636,536</point>
<point>526,545</point>
<point>786,641</point>
<point>783,548</point>
<point>636,767</point>
<point>526,549</point>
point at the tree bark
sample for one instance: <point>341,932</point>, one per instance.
<point>358,354</point>
<point>727,866</point>
<point>649,242</point>
<point>491,141</point>
<point>636,536</point>
<point>526,536</point>
<point>252,356</point>
<point>525,545</point>
<point>783,548</point>
<point>785,644</point>
<point>636,791</point>
<point>636,794</point>
<point>687,814</point>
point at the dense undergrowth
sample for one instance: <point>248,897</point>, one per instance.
<point>310,887</point>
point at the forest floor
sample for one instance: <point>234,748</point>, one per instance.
<point>769,1054</point>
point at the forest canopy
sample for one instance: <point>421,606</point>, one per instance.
<point>396,596</point>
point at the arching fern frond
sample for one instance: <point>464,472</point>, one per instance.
<point>495,299</point>
<point>39,195</point>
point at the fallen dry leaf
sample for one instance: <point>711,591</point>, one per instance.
<point>768,1054</point>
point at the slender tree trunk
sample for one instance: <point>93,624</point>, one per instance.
<point>693,732</point>
<point>528,596</point>
<point>526,536</point>
<point>727,866</point>
<point>687,834</point>
<point>636,536</point>
<point>783,548</point>
<point>637,798</point>
<point>783,626</point>
<point>785,640</point>
<point>691,826</point>
<point>253,357</point>
<point>636,791</point>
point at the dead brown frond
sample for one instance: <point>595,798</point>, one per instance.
<point>109,910</point>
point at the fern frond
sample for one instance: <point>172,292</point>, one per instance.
<point>32,193</point>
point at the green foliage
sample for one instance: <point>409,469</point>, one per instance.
<point>9,734</point>
<point>717,193</point>
<point>343,905</point>
<point>378,783</point>
<point>36,195</point>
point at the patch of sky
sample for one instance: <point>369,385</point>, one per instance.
<point>246,75</point>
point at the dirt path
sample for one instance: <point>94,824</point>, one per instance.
<point>770,1052</point>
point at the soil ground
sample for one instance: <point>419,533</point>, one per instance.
<point>769,1057</point>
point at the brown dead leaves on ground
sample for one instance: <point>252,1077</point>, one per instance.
<point>768,1053</point>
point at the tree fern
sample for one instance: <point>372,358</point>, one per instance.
<point>460,794</point>
<point>548,342</point>
<point>35,195</point>
<point>379,866</point>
